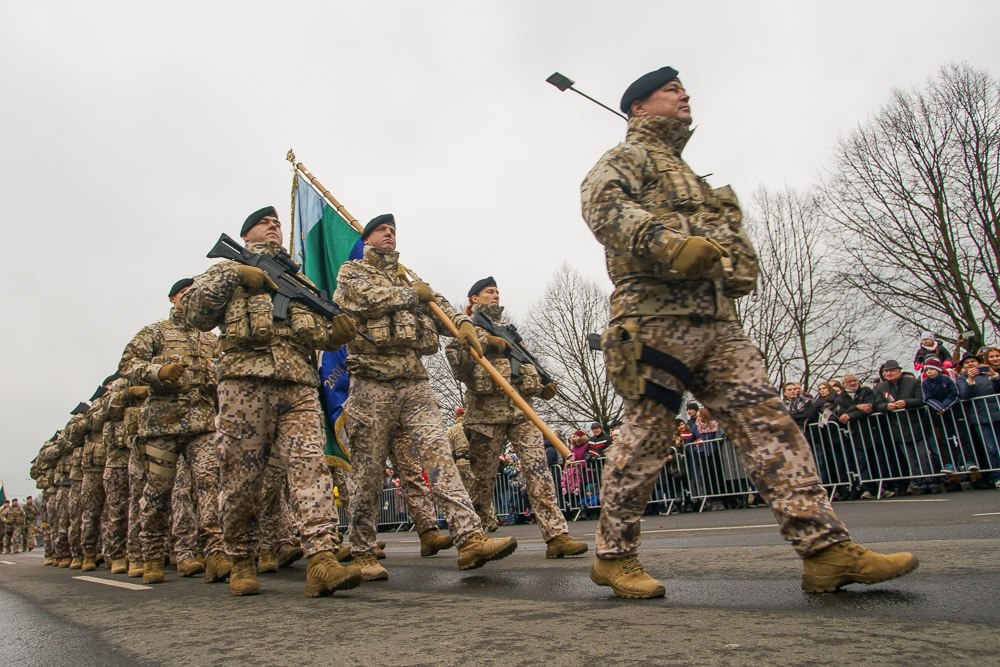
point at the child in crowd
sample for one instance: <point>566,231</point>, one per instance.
<point>930,348</point>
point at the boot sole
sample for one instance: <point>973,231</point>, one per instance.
<point>349,581</point>
<point>267,569</point>
<point>820,584</point>
<point>377,576</point>
<point>249,591</point>
<point>479,562</point>
<point>158,580</point>
<point>216,578</point>
<point>600,580</point>
<point>563,554</point>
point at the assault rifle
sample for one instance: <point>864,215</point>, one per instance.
<point>517,354</point>
<point>285,274</point>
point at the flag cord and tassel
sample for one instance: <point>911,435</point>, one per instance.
<point>549,434</point>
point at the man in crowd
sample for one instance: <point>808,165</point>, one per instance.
<point>900,397</point>
<point>678,256</point>
<point>855,405</point>
<point>599,440</point>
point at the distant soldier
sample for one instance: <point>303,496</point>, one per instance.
<point>30,523</point>
<point>390,394</point>
<point>269,406</point>
<point>79,428</point>
<point>115,476</point>
<point>92,486</point>
<point>13,536</point>
<point>178,363</point>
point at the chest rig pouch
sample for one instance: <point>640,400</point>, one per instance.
<point>482,381</point>
<point>624,352</point>
<point>427,341</point>
<point>307,328</point>
<point>740,270</point>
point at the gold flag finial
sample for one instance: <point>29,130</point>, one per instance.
<point>290,156</point>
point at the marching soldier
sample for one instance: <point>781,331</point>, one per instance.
<point>92,486</point>
<point>491,419</point>
<point>269,406</point>
<point>390,394</point>
<point>30,523</point>
<point>678,256</point>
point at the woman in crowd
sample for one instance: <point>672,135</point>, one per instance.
<point>825,437</point>
<point>979,384</point>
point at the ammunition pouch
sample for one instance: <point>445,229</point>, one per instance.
<point>482,381</point>
<point>379,328</point>
<point>260,311</point>
<point>427,341</point>
<point>740,270</point>
<point>529,381</point>
<point>236,328</point>
<point>404,328</point>
<point>623,352</point>
<point>308,329</point>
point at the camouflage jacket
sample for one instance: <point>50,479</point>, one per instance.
<point>386,308</point>
<point>114,430</point>
<point>93,448</point>
<point>184,407</point>
<point>253,343</point>
<point>485,401</point>
<point>459,443</point>
<point>30,512</point>
<point>14,516</point>
<point>641,195</point>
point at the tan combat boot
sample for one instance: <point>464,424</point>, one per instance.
<point>564,545</point>
<point>626,577</point>
<point>119,566</point>
<point>343,553</point>
<point>135,569</point>
<point>243,578</point>
<point>76,563</point>
<point>64,562</point>
<point>89,564</point>
<point>324,575</point>
<point>189,567</point>
<point>479,550</point>
<point>49,560</point>
<point>849,563</point>
<point>432,541</point>
<point>266,562</point>
<point>217,567</point>
<point>152,571</point>
<point>371,569</point>
<point>380,549</point>
<point>288,554</point>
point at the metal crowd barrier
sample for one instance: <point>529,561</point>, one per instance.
<point>881,453</point>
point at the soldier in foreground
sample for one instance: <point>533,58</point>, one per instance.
<point>269,406</point>
<point>390,393</point>
<point>678,256</point>
<point>178,364</point>
<point>491,419</point>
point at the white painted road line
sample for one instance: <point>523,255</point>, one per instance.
<point>119,584</point>
<point>695,530</point>
<point>8,562</point>
<point>983,514</point>
<point>913,500</point>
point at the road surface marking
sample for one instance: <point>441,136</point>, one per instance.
<point>8,562</point>
<point>914,500</point>
<point>983,514</point>
<point>694,530</point>
<point>119,584</point>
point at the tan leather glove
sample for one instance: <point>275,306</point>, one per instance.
<point>696,256</point>
<point>497,343</point>
<point>467,334</point>
<point>253,278</point>
<point>424,292</point>
<point>342,330</point>
<point>548,391</point>
<point>171,372</point>
<point>140,392</point>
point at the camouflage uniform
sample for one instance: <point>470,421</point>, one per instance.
<point>176,420</point>
<point>639,197</point>
<point>460,451</point>
<point>13,534</point>
<point>491,419</point>
<point>74,506</point>
<point>60,509</point>
<point>268,406</point>
<point>115,476</point>
<point>275,529</point>
<point>418,498</point>
<point>184,514</point>
<point>136,480</point>
<point>30,525</point>
<point>390,394</point>
<point>92,486</point>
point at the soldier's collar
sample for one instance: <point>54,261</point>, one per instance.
<point>177,315</point>
<point>659,129</point>
<point>265,247</point>
<point>382,258</point>
<point>494,311</point>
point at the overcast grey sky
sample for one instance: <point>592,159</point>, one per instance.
<point>132,134</point>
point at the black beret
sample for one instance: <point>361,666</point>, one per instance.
<point>384,219</point>
<point>179,285</point>
<point>101,391</point>
<point>111,378</point>
<point>256,217</point>
<point>480,285</point>
<point>80,409</point>
<point>646,85</point>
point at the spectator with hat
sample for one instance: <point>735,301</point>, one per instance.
<point>931,348</point>
<point>900,397</point>
<point>979,384</point>
<point>599,440</point>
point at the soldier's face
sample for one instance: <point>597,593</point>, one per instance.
<point>487,296</point>
<point>383,236</point>
<point>671,101</point>
<point>267,230</point>
<point>177,297</point>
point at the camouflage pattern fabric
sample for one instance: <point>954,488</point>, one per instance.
<point>60,512</point>
<point>416,495</point>
<point>184,515</point>
<point>260,418</point>
<point>460,452</point>
<point>74,509</point>
<point>31,512</point>
<point>91,509</point>
<point>136,485</point>
<point>729,378</point>
<point>116,502</point>
<point>13,534</point>
<point>272,502</point>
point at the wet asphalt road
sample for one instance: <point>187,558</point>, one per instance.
<point>732,598</point>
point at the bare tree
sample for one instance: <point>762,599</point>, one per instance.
<point>914,196</point>
<point>447,388</point>
<point>800,319</point>
<point>556,331</point>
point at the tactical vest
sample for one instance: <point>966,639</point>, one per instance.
<point>179,344</point>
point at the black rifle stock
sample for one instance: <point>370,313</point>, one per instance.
<point>285,274</point>
<point>517,354</point>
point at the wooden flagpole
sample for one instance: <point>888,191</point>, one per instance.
<point>519,401</point>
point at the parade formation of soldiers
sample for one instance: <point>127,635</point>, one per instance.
<point>210,449</point>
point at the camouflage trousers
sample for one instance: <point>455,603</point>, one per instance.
<point>184,514</point>
<point>47,512</point>
<point>74,508</point>
<point>13,536</point>
<point>91,508</point>
<point>116,508</point>
<point>340,482</point>
<point>728,376</point>
<point>30,535</point>
<point>277,525</point>
<point>417,496</point>
<point>486,443</point>
<point>60,522</point>
<point>163,454</point>
<point>136,483</point>
<point>378,413</point>
<point>260,418</point>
